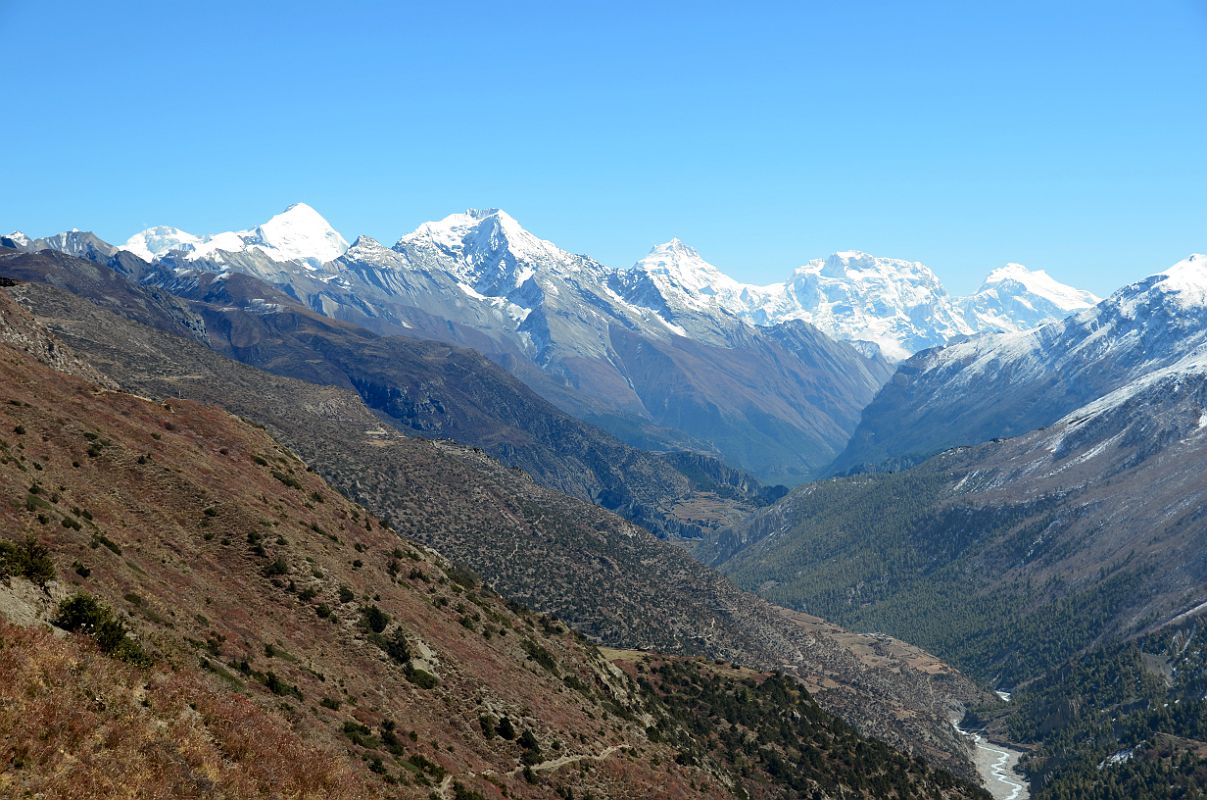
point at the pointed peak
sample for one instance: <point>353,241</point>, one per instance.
<point>675,245</point>
<point>366,243</point>
<point>1016,272</point>
<point>299,233</point>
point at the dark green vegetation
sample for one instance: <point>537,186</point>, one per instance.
<point>86,614</point>
<point>885,553</point>
<point>28,558</point>
<point>1041,564</point>
<point>1126,722</point>
<point>1010,557</point>
<point>775,741</point>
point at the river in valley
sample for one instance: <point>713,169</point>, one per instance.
<point>998,767</point>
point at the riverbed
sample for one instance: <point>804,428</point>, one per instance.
<point>998,767</point>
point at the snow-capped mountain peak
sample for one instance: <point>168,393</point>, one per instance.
<point>488,250</point>
<point>679,262</point>
<point>299,233</point>
<point>479,232</point>
<point>19,239</point>
<point>1187,279</point>
<point>1015,298</point>
<point>160,240</point>
<point>896,304</point>
<point>1039,283</point>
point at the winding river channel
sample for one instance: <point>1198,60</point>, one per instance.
<point>998,766</point>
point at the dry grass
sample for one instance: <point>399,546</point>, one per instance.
<point>80,725</point>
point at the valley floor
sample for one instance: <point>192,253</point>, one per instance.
<point>998,768</point>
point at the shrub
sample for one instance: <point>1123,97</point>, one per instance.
<point>86,614</point>
<point>277,567</point>
<point>29,559</point>
<point>422,678</point>
<point>375,619</point>
<point>396,647</point>
<point>506,729</point>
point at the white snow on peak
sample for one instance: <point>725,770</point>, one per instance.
<point>480,233</point>
<point>20,238</point>
<point>490,251</point>
<point>896,304</point>
<point>683,264</point>
<point>1039,283</point>
<point>1014,298</point>
<point>685,279</point>
<point>1187,279</point>
<point>160,240</point>
<point>299,233</point>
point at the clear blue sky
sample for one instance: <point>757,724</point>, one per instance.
<point>1065,135</point>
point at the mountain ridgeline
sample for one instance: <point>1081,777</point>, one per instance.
<point>669,354</point>
<point>610,580</point>
<point>422,387</point>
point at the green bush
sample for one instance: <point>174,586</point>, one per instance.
<point>29,559</point>
<point>396,647</point>
<point>86,614</point>
<point>422,678</point>
<point>375,619</point>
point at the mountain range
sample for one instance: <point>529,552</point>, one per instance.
<point>669,354</point>
<point>1008,384</point>
<point>1019,471</point>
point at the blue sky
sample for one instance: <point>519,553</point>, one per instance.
<point>1065,135</point>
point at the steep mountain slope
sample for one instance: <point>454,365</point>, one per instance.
<point>609,579</point>
<point>422,387</point>
<point>609,352</point>
<point>1008,384</point>
<point>1128,720</point>
<point>193,546</point>
<point>1009,557</point>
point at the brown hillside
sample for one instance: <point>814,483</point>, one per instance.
<point>299,648</point>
